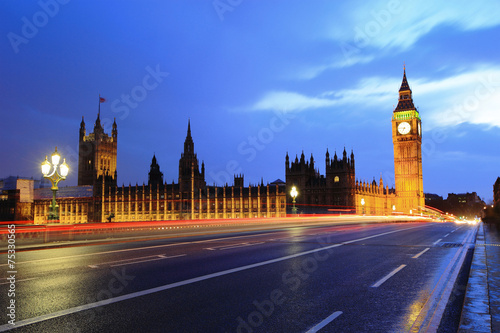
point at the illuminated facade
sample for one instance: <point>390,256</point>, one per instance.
<point>190,198</point>
<point>338,190</point>
<point>99,199</point>
<point>407,140</point>
<point>97,154</point>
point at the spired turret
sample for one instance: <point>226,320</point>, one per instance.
<point>405,101</point>
<point>114,131</point>
<point>155,175</point>
<point>82,129</point>
<point>190,176</point>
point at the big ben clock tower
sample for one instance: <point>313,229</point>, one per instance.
<point>407,140</point>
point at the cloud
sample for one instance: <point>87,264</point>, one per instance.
<point>369,91</point>
<point>372,30</point>
<point>341,62</point>
<point>397,24</point>
<point>468,97</point>
<point>290,101</point>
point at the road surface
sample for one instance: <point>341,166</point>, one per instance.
<point>319,278</point>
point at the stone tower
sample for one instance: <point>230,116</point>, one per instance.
<point>407,140</point>
<point>97,154</point>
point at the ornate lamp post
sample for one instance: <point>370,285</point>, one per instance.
<point>51,172</point>
<point>294,194</point>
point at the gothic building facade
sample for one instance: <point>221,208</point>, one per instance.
<point>339,191</point>
<point>191,198</point>
<point>97,198</point>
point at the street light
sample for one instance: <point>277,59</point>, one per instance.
<point>294,194</point>
<point>55,177</point>
<point>363,205</point>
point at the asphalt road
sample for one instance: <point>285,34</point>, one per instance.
<point>356,278</point>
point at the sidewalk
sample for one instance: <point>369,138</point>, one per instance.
<point>481,310</point>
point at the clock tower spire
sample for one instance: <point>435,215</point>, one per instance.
<point>407,141</point>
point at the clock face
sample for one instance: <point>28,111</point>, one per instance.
<point>404,128</point>
<point>419,130</point>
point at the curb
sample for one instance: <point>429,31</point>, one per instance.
<point>476,316</point>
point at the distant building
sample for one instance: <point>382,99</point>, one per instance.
<point>435,201</point>
<point>468,205</point>
<point>76,204</point>
<point>16,198</point>
<point>496,192</point>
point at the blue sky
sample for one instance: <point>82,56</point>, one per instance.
<point>258,79</point>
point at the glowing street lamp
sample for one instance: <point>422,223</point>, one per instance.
<point>393,209</point>
<point>294,194</point>
<point>51,172</point>
<point>363,205</point>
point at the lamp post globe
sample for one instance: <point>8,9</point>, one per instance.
<point>293,194</point>
<point>54,172</point>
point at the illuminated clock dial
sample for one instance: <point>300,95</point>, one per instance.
<point>419,129</point>
<point>404,128</point>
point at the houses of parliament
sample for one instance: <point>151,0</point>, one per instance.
<point>98,198</point>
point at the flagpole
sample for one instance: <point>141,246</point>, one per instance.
<point>99,112</point>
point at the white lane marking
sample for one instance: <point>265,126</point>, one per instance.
<point>440,239</point>
<point>170,257</point>
<point>419,254</point>
<point>239,245</point>
<point>325,322</point>
<point>138,262</point>
<point>134,260</point>
<point>388,276</point>
<point>17,281</point>
<point>213,248</point>
<point>233,246</point>
<point>75,309</point>
<point>122,260</point>
<point>446,235</point>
